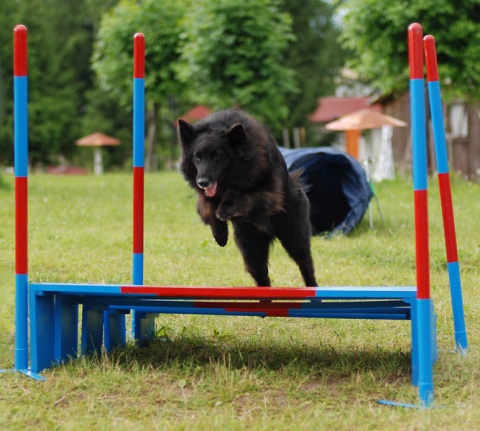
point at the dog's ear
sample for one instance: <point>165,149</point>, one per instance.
<point>186,132</point>
<point>238,140</point>
<point>237,134</point>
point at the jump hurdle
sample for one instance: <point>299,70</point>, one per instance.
<point>53,309</point>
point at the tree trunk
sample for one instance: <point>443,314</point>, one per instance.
<point>151,161</point>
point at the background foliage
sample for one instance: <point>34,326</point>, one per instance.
<point>234,56</point>
<point>274,58</point>
<point>160,22</point>
<point>271,72</point>
<point>315,55</point>
<point>376,31</point>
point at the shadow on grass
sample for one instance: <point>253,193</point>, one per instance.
<point>297,358</point>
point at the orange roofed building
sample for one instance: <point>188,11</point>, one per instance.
<point>330,108</point>
<point>197,113</point>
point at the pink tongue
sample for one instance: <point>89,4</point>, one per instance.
<point>210,191</point>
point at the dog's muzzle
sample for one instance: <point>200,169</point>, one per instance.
<point>209,187</point>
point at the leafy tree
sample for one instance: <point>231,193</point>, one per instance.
<point>60,41</point>
<point>234,55</point>
<point>7,17</point>
<point>160,21</point>
<point>376,30</point>
<point>315,55</point>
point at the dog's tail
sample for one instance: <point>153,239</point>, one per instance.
<point>298,179</point>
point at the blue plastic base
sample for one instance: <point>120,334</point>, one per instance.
<point>55,311</point>
<point>406,405</point>
<point>28,373</point>
<point>397,404</point>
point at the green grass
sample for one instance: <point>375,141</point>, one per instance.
<point>236,373</point>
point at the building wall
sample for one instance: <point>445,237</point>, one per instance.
<point>462,128</point>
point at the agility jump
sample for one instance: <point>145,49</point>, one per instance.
<point>53,308</point>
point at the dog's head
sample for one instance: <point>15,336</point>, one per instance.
<point>209,153</point>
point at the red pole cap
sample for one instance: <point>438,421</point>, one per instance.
<point>415,52</point>
<point>139,55</point>
<point>20,50</point>
<point>431,58</point>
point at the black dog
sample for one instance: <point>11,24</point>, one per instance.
<point>234,164</point>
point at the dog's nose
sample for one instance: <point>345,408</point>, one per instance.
<point>203,182</point>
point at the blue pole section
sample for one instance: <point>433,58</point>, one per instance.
<point>21,322</point>
<point>419,141</point>
<point>438,127</point>
<point>457,307</point>
<point>138,269</point>
<point>20,90</point>
<point>425,354</point>
<point>138,122</point>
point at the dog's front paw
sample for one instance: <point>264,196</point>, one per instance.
<point>220,233</point>
<point>222,240</point>
<point>227,212</point>
<point>224,213</point>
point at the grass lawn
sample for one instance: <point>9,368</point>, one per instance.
<point>236,373</point>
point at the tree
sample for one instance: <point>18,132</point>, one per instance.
<point>7,17</point>
<point>60,39</point>
<point>316,55</point>
<point>376,30</point>
<point>234,55</point>
<point>160,21</point>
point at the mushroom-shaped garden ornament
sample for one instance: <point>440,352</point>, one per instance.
<point>97,140</point>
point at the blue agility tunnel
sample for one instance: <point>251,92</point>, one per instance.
<point>337,187</point>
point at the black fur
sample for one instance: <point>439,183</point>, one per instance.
<point>233,163</point>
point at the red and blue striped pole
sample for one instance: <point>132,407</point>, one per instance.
<point>20,73</point>
<point>445,193</point>
<point>424,307</point>
<point>138,154</point>
<point>138,161</point>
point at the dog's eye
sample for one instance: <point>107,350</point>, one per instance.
<point>196,158</point>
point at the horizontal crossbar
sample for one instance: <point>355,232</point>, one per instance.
<point>229,293</point>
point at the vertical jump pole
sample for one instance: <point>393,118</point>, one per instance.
<point>419,158</point>
<point>138,168</point>
<point>138,154</point>
<point>21,195</point>
<point>445,193</point>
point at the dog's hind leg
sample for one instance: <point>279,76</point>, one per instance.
<point>294,234</point>
<point>299,251</point>
<point>254,246</point>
